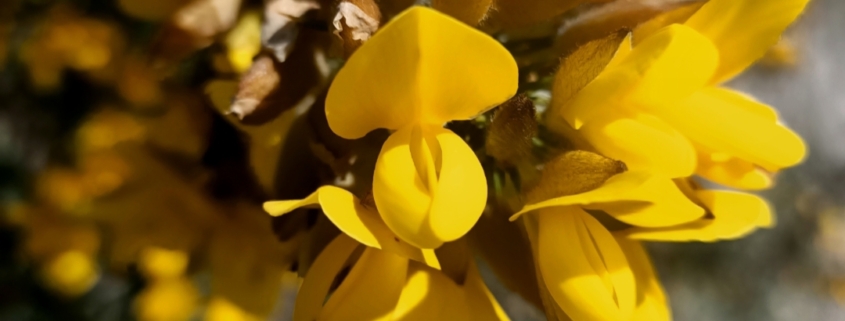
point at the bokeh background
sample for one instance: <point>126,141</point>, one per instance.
<point>795,271</point>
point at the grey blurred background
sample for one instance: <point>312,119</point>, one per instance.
<point>795,271</point>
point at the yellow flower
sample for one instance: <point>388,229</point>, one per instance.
<point>71,273</point>
<point>420,71</point>
<point>384,286</point>
<point>659,106</point>
<point>585,267</point>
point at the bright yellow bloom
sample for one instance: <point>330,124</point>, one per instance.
<point>583,266</point>
<point>658,106</point>
<point>418,72</point>
<point>592,276</point>
<point>384,286</point>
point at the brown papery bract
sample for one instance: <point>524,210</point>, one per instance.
<point>572,173</point>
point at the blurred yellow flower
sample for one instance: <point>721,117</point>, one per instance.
<point>71,273</point>
<point>244,41</point>
<point>167,300</point>
<point>67,40</point>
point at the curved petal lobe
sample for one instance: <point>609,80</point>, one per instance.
<point>312,293</point>
<point>660,203</point>
<point>726,121</point>
<point>429,191</point>
<point>422,66</point>
<point>583,267</point>
<point>735,214</point>
<point>354,219</point>
<point>371,290</point>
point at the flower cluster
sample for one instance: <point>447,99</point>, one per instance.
<point>399,150</point>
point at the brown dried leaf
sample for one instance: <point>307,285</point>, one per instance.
<point>282,130</point>
<point>280,27</point>
<point>509,138</point>
<point>256,85</point>
<point>612,17</point>
<point>470,12</point>
<point>573,172</point>
<point>580,67</point>
<point>269,87</point>
<point>355,22</point>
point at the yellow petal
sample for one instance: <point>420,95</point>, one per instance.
<point>735,215</point>
<point>743,30</point>
<point>651,301</point>
<point>421,66</point>
<point>659,203</point>
<point>425,295</point>
<point>371,290</point>
<point>312,293</point>
<point>422,212</point>
<point>732,172</point>
<point>642,142</point>
<point>665,68</point>
<point>612,190</point>
<point>461,191</point>
<point>353,219</point>
<point>726,121</point>
<point>583,267</point>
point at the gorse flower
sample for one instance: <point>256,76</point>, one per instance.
<point>416,143</point>
<point>418,72</point>
<point>658,106</point>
